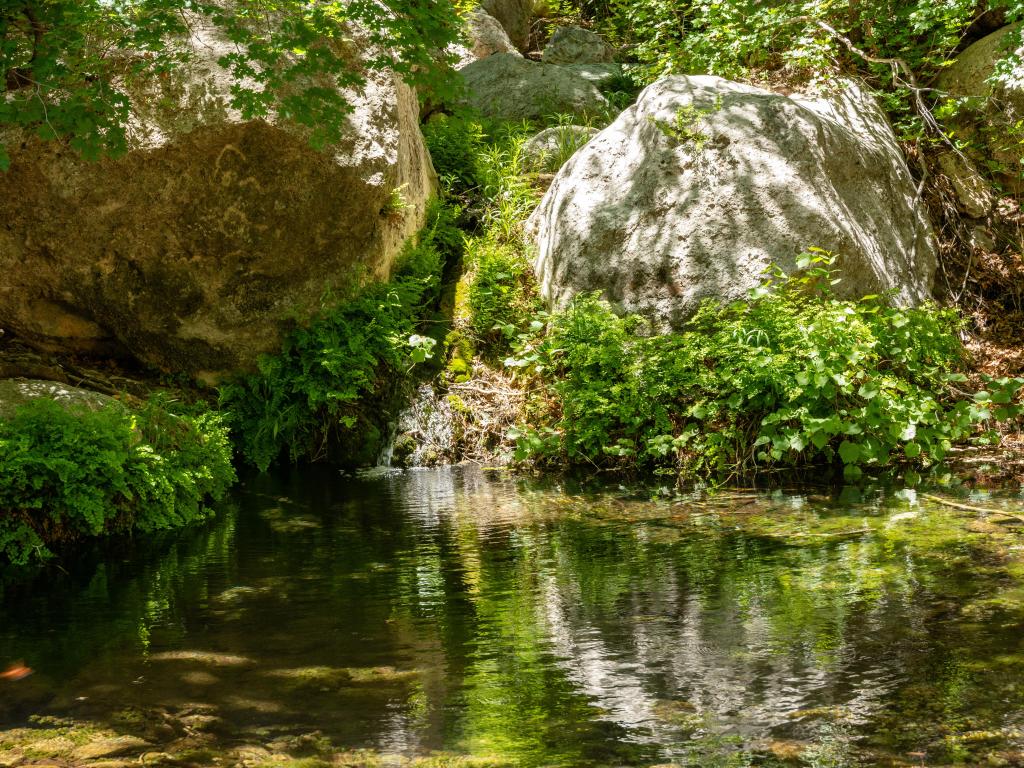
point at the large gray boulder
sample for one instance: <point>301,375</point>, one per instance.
<point>486,35</point>
<point>508,87</point>
<point>214,234</point>
<point>601,75</point>
<point>995,105</point>
<point>703,184</point>
<point>576,45</point>
<point>515,16</point>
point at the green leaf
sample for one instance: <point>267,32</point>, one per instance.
<point>868,390</point>
<point>849,452</point>
<point>852,472</point>
<point>912,450</point>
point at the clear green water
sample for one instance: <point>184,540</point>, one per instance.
<point>465,612</point>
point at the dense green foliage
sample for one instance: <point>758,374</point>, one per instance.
<point>456,144</point>
<point>501,300</point>
<point>70,68</point>
<point>897,46</point>
<point>483,167</point>
<point>349,360</point>
<point>789,378</point>
<point>732,37</point>
<point>69,473</point>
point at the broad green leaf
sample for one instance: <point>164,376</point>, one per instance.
<point>849,452</point>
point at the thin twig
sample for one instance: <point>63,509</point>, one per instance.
<point>970,508</point>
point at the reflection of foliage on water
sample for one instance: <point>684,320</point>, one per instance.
<point>528,625</point>
<point>128,596</point>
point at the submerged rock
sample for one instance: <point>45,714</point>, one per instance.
<point>575,45</point>
<point>508,87</point>
<point>703,184</point>
<point>109,747</point>
<point>214,233</point>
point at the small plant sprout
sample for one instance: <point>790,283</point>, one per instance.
<point>422,348</point>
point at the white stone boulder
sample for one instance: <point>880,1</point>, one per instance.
<point>18,392</point>
<point>697,189</point>
<point>486,35</point>
<point>601,75</point>
<point>515,16</point>
<point>509,87</point>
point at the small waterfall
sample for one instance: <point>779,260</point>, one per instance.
<point>424,435</point>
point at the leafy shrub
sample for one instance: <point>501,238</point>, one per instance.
<point>731,37</point>
<point>345,363</point>
<point>789,378</point>
<point>501,298</point>
<point>455,144</point>
<point>71,473</point>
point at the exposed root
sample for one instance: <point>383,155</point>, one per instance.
<point>489,405</point>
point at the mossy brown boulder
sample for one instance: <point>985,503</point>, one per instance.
<point>196,250</point>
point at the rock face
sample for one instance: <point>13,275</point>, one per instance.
<point>699,187</point>
<point>515,17</point>
<point>508,87</point>
<point>575,45</point>
<point>197,249</point>
<point>543,152</point>
<point>995,107</point>
<point>487,36</point>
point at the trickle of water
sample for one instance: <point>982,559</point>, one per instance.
<point>425,434</point>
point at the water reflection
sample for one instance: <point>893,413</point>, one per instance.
<point>537,624</point>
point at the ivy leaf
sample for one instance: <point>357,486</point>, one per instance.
<point>868,390</point>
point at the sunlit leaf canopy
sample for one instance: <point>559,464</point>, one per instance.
<point>68,65</point>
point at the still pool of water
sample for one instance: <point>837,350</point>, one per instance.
<point>505,622</point>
